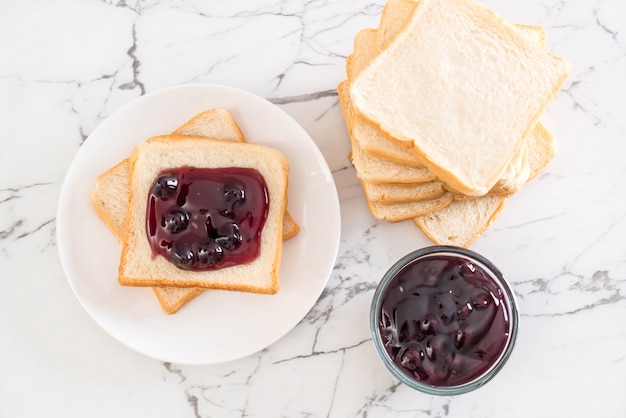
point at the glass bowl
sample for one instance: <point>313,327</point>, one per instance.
<point>444,320</point>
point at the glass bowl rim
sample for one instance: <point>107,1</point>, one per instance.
<point>500,280</point>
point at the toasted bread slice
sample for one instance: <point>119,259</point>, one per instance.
<point>483,74</point>
<point>138,267</point>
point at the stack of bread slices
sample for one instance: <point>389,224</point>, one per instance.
<point>442,104</point>
<point>209,139</point>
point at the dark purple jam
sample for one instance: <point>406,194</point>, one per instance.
<point>206,218</point>
<point>444,321</point>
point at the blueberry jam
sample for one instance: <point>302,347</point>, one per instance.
<point>444,320</point>
<point>205,218</point>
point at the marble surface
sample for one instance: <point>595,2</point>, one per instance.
<point>66,65</point>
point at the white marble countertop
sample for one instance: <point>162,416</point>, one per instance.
<point>66,65</point>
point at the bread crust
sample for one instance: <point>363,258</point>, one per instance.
<point>446,173</point>
<point>390,194</point>
<point>376,170</point>
<point>110,195</point>
<point>478,227</point>
<point>172,299</point>
<point>395,15</point>
<point>139,268</point>
<point>100,198</point>
<point>402,211</point>
<point>381,158</point>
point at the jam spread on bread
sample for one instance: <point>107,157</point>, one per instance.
<point>444,321</point>
<point>207,218</point>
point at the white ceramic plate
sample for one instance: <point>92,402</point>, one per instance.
<point>217,326</point>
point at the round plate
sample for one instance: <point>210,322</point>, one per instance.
<point>217,326</point>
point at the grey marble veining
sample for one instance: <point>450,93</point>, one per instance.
<point>66,66</point>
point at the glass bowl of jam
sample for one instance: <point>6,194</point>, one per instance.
<point>444,320</point>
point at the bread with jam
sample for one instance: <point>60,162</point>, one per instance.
<point>110,195</point>
<point>139,266</point>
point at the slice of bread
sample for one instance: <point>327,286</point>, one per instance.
<point>290,227</point>
<point>110,195</point>
<point>174,298</point>
<point>541,150</point>
<point>394,192</point>
<point>369,138</point>
<point>483,74</point>
<point>367,44</point>
<point>397,13</point>
<point>389,194</point>
<point>477,213</point>
<point>516,173</point>
<point>378,170</point>
<point>214,123</point>
<point>138,267</point>
<point>403,211</point>
<point>374,169</point>
<point>394,17</point>
<point>382,192</point>
<point>462,221</point>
